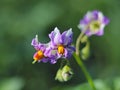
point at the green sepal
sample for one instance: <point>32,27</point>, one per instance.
<point>85,52</point>
<point>64,74</point>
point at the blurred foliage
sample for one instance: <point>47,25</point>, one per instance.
<point>12,84</point>
<point>21,20</point>
<point>100,85</point>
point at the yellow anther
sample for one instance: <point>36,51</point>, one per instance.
<point>39,55</point>
<point>61,49</point>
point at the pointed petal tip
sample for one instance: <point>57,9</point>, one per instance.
<point>36,36</point>
<point>56,28</point>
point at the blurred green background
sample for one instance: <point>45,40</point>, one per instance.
<point>21,20</point>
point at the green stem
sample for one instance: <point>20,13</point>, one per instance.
<point>63,62</point>
<point>78,43</point>
<point>82,66</point>
<point>80,63</point>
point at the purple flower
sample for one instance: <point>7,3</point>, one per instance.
<point>61,43</point>
<point>93,23</point>
<point>42,52</point>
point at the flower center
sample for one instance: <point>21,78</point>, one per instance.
<point>61,49</point>
<point>94,26</point>
<point>39,55</point>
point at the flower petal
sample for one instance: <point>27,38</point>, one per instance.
<point>88,32</point>
<point>53,61</point>
<point>95,14</point>
<point>35,42</point>
<point>106,20</point>
<point>69,51</point>
<point>67,37</point>
<point>100,16</point>
<point>88,16</point>
<point>45,60</point>
<point>55,36</point>
<point>100,32</point>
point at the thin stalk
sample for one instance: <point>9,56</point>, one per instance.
<point>78,43</point>
<point>80,63</point>
<point>87,75</point>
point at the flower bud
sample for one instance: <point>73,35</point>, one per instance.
<point>64,74</point>
<point>59,76</point>
<point>85,52</point>
<point>67,73</point>
<point>84,39</point>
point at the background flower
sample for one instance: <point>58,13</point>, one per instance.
<point>93,23</point>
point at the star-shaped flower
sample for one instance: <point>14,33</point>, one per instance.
<point>62,42</point>
<point>93,23</point>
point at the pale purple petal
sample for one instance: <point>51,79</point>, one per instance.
<point>51,53</point>
<point>106,20</point>
<point>88,17</point>
<point>35,41</point>
<point>42,47</point>
<point>57,39</point>
<point>84,21</point>
<point>88,32</point>
<point>45,60</point>
<point>95,14</point>
<point>100,32</point>
<point>83,27</point>
<point>67,37</point>
<point>53,61</point>
<point>68,53</point>
<point>47,52</point>
<point>72,48</point>
<point>51,36</point>
<point>55,36</point>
